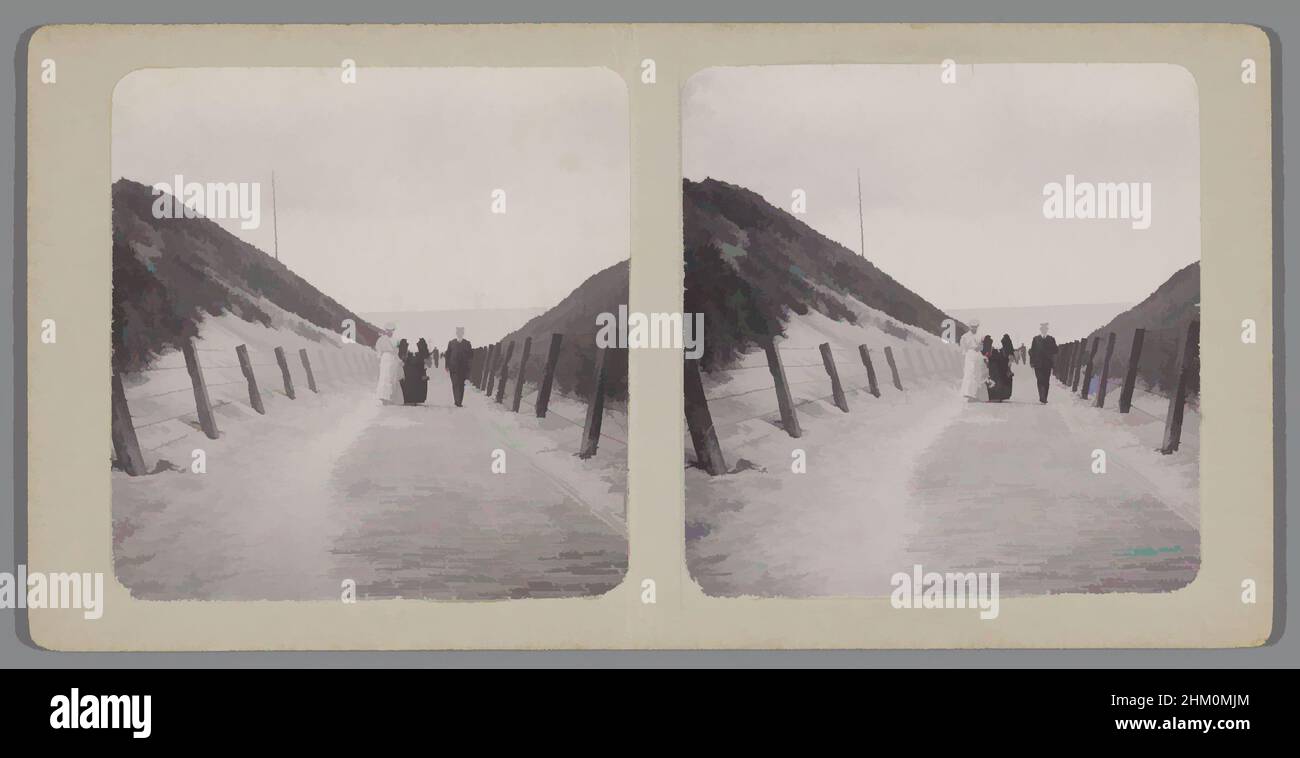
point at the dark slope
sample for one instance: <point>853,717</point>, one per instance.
<point>168,274</point>
<point>575,318</point>
<point>1165,315</point>
<point>749,265</point>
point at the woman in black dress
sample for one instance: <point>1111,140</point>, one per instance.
<point>415,382</point>
<point>999,369</point>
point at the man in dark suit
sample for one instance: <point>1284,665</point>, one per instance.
<point>457,358</point>
<point>1042,355</point>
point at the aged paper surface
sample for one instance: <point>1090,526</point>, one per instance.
<point>69,222</point>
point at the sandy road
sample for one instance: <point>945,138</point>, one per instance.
<point>1010,487</point>
<point>401,500</point>
<point>925,478</point>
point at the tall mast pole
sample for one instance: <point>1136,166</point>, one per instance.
<point>275,220</point>
<point>862,236</point>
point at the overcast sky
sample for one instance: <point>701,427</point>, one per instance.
<point>953,175</point>
<point>384,187</point>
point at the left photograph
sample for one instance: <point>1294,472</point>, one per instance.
<point>354,317</point>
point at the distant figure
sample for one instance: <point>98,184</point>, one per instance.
<point>387,390</point>
<point>974,371</point>
<point>1042,355</point>
<point>1024,353</point>
<point>1000,373</point>
<point>415,380</point>
<point>458,355</point>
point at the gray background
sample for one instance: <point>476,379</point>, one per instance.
<point>1280,18</point>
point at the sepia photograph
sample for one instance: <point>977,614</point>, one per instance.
<point>953,330</point>
<point>354,319</point>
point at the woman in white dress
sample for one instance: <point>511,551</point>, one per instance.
<point>975,370</point>
<point>388,390</point>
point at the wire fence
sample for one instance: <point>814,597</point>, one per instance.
<point>1149,370</point>
<point>815,374</point>
<point>564,367</point>
<point>183,391</point>
<point>740,394</point>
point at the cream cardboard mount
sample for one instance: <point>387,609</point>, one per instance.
<point>986,357</point>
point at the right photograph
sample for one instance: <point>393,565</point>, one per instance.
<point>951,330</point>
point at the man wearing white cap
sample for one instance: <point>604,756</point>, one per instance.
<point>1042,354</point>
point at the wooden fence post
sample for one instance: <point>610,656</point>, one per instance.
<point>126,447</point>
<point>306,366</point>
<point>475,367</point>
<point>505,371</point>
<point>493,355</point>
<point>519,379</point>
<point>246,366</point>
<point>700,422</point>
<point>1131,375</point>
<point>1105,371</point>
<point>1087,369</point>
<point>1078,365</point>
<point>284,371</point>
<point>595,408</point>
<point>1174,417</point>
<point>548,375</point>
<point>837,391</point>
<point>872,387</point>
<point>789,419</point>
<point>893,367</point>
<point>1077,370</point>
<point>201,403</point>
